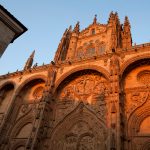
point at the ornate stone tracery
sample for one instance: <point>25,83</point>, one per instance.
<point>88,87</point>
<point>80,133</point>
<point>38,92</point>
<point>144,77</point>
<point>135,100</point>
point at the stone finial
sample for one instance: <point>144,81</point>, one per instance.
<point>35,65</point>
<point>64,34</point>
<point>77,27</point>
<point>70,28</point>
<point>126,21</point>
<point>29,62</point>
<point>95,19</point>
<point>113,17</point>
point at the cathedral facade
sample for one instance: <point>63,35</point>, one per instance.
<point>94,95</point>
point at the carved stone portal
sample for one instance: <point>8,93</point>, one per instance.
<point>81,130</point>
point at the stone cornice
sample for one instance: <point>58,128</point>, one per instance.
<point>11,22</point>
<point>25,72</point>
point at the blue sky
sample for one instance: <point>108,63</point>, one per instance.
<point>46,21</point>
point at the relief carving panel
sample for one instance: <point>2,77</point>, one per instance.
<point>135,100</point>
<point>91,89</point>
<point>144,77</point>
<point>26,109</point>
<point>38,92</point>
<point>80,131</point>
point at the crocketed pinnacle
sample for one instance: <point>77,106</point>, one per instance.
<point>29,62</point>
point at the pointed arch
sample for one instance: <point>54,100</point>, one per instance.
<point>80,123</point>
<point>32,78</point>
<point>136,119</point>
<point>8,83</point>
<point>20,124</point>
<point>99,69</point>
<point>127,64</point>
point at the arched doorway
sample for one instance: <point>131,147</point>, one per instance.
<point>81,112</point>
<point>80,130</point>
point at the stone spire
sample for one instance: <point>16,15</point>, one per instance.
<point>70,28</point>
<point>111,17</point>
<point>117,17</point>
<point>95,20</point>
<point>29,62</point>
<point>126,35</point>
<point>126,24</point>
<point>63,46</point>
<point>64,34</point>
<point>77,28</point>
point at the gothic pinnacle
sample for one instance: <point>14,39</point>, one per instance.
<point>111,16</point>
<point>95,19</point>
<point>70,28</point>
<point>77,28</point>
<point>126,21</point>
<point>65,33</point>
<point>29,62</point>
<point>32,55</point>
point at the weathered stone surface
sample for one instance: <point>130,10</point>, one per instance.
<point>94,95</point>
